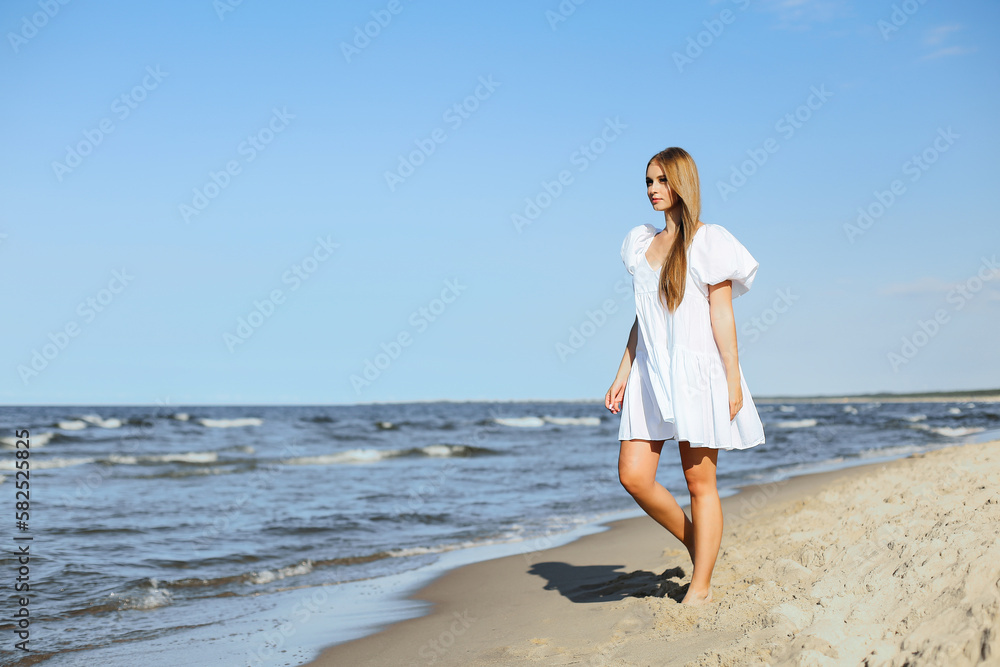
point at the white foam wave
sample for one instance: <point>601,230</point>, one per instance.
<point>443,450</point>
<point>957,431</point>
<point>521,422</point>
<point>954,411</point>
<point>442,548</point>
<point>96,420</point>
<point>187,457</point>
<point>915,418</point>
<point>385,425</point>
<point>574,421</point>
<point>890,451</point>
<point>35,440</point>
<point>850,409</point>
<point>180,416</point>
<point>231,423</point>
<point>787,408</point>
<point>796,423</point>
<point>376,455</point>
<point>349,456</point>
<point>72,425</point>
<point>150,599</point>
<point>56,462</point>
<point>267,576</point>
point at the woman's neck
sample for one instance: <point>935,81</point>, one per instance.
<point>671,220</point>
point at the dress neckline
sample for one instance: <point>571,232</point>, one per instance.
<point>659,268</point>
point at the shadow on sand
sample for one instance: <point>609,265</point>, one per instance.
<point>599,583</point>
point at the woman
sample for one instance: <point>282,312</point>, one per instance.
<point>680,377</point>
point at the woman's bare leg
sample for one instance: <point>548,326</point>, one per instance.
<point>637,463</point>
<point>706,514</point>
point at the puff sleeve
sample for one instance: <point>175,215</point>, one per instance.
<point>635,245</point>
<point>720,257</point>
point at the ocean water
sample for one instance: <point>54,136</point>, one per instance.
<point>157,531</point>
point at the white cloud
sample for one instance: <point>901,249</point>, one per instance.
<point>802,14</point>
<point>937,35</point>
<point>929,286</point>
<point>948,51</point>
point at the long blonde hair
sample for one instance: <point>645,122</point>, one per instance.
<point>682,177</point>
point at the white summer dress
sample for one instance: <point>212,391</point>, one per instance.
<point>677,388</point>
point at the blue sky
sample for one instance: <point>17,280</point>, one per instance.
<point>440,202</point>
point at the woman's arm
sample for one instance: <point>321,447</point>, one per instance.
<point>613,399</point>
<point>633,339</point>
<point>720,305</point>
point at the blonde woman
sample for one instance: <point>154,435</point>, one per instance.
<point>680,377</point>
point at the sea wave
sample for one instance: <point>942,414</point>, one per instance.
<point>535,422</point>
<point>954,432</point>
<point>899,450</point>
<point>796,423</point>
<point>368,455</point>
<point>184,457</point>
<point>97,420</point>
<point>35,440</point>
<point>231,423</point>
<point>72,425</point>
<point>56,462</point>
<point>520,422</point>
<point>267,576</point>
<point>573,421</point>
<point>150,598</point>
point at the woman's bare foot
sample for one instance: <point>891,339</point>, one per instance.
<point>694,598</point>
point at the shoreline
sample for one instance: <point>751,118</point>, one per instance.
<point>527,620</point>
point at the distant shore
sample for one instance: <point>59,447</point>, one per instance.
<point>984,396</point>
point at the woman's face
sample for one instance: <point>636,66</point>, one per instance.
<point>661,195</point>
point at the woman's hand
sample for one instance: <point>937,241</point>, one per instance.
<point>613,399</point>
<point>735,397</point>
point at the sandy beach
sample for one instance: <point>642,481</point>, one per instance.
<point>892,563</point>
